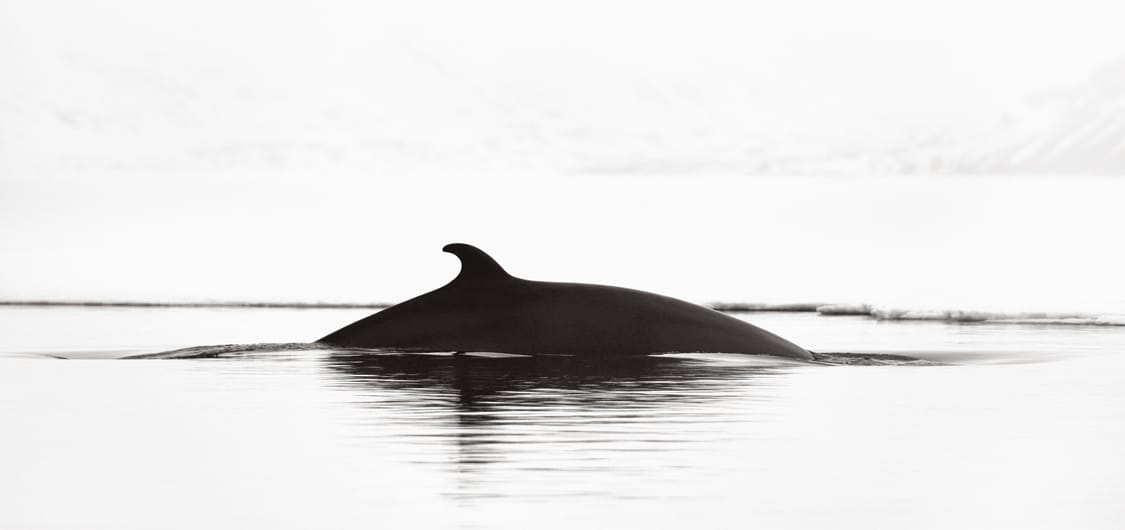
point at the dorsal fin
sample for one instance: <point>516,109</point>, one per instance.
<point>475,264</point>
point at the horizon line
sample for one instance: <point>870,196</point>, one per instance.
<point>126,303</point>
<point>726,307</point>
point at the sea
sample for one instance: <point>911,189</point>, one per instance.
<point>1011,421</point>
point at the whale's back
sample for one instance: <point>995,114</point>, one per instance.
<point>511,315</point>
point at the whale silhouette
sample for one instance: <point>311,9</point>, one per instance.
<point>486,309</point>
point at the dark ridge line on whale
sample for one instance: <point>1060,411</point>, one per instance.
<point>216,350</point>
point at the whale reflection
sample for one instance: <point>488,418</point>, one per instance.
<point>480,383</point>
<point>493,416</point>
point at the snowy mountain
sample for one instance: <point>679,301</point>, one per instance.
<point>1074,131</point>
<point>419,108</point>
<point>1081,130</point>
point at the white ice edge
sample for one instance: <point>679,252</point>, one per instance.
<point>970,315</point>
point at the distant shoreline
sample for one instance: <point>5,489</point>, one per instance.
<point>956,316</point>
<point>725,307</point>
<point>277,305</point>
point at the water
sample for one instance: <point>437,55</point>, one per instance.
<point>1021,428</point>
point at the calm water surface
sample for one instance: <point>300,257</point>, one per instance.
<point>1022,429</point>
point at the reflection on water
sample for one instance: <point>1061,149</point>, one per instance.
<point>551,416</point>
<point>482,383</point>
<point>289,438</point>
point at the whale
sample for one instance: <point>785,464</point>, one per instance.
<point>485,309</point>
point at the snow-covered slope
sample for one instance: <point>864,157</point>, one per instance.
<point>356,98</point>
<point>1081,130</point>
<point>1074,130</point>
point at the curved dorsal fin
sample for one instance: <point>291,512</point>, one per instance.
<point>475,264</point>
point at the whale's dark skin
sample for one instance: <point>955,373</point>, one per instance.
<point>486,309</point>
